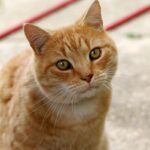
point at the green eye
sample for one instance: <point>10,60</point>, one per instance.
<point>63,65</point>
<point>95,53</point>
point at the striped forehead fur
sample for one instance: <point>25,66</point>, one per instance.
<point>75,42</point>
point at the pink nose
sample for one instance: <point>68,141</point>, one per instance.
<point>87,78</point>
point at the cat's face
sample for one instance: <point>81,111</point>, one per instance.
<point>74,63</point>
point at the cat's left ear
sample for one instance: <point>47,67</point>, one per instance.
<point>36,36</point>
<point>93,16</point>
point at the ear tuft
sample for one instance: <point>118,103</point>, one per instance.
<point>36,36</point>
<point>93,16</point>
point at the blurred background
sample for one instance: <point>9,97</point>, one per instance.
<point>128,122</point>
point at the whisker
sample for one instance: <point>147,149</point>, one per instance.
<point>60,111</point>
<point>56,94</point>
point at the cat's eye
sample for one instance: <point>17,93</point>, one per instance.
<point>63,65</point>
<point>95,53</point>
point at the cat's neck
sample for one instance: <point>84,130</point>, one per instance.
<point>61,114</point>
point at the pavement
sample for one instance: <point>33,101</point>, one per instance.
<point>128,121</point>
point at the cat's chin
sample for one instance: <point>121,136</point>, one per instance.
<point>85,96</point>
<point>89,92</point>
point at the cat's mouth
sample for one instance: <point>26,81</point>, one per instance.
<point>85,95</point>
<point>89,91</point>
<point>89,88</point>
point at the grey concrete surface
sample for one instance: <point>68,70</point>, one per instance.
<point>128,122</point>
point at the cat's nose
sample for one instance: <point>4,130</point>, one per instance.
<point>87,78</point>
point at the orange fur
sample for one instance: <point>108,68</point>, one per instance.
<point>44,108</point>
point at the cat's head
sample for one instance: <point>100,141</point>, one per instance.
<point>75,62</point>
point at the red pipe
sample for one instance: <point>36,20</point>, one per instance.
<point>66,3</point>
<point>36,18</point>
<point>128,18</point>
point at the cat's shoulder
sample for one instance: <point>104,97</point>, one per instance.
<point>9,76</point>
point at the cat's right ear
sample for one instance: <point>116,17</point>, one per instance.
<point>93,16</point>
<point>36,36</point>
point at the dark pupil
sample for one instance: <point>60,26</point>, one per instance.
<point>94,52</point>
<point>62,63</point>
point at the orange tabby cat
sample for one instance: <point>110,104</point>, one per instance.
<point>56,97</point>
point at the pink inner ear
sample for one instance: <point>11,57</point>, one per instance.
<point>38,41</point>
<point>94,21</point>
